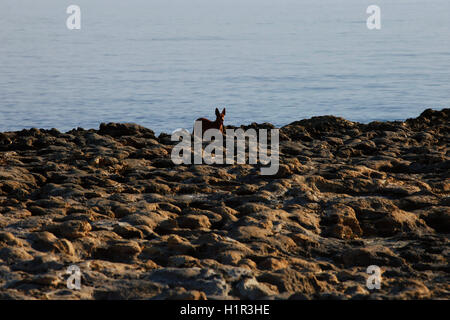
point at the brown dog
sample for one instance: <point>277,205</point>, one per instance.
<point>217,124</point>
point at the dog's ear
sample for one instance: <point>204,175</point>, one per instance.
<point>217,112</point>
<point>223,111</point>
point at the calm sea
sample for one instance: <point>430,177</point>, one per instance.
<point>163,63</point>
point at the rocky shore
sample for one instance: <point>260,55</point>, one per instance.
<point>110,201</point>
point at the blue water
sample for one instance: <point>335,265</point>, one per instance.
<point>164,63</point>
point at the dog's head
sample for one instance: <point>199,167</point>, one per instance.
<point>220,115</point>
